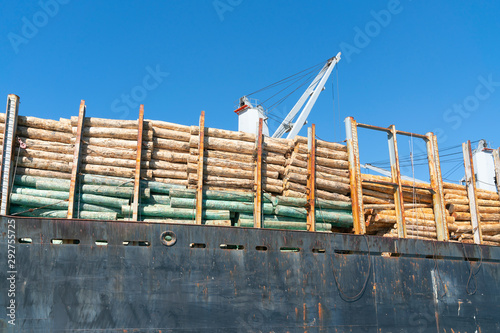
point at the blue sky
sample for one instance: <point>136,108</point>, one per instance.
<point>421,65</point>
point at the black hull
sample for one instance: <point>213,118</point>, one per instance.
<point>424,287</point>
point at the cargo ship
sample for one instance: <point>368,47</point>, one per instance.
<point>150,226</point>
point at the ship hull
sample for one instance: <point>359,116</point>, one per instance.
<point>228,279</point>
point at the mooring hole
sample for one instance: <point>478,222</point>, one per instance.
<point>315,250</point>
<point>289,249</point>
<point>59,241</point>
<point>343,252</point>
<point>136,243</point>
<point>24,240</point>
<point>101,242</point>
<point>231,247</point>
<point>197,245</point>
<point>261,248</point>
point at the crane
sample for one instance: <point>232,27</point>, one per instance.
<point>250,111</point>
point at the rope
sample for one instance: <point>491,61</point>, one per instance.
<point>472,274</point>
<point>360,293</point>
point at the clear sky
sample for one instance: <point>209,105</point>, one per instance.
<point>421,65</point>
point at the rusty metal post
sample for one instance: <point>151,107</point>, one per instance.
<point>355,176</point>
<point>76,160</point>
<point>9,137</point>
<point>138,159</point>
<point>257,210</point>
<point>311,178</point>
<point>201,157</point>
<point>396,178</point>
<point>496,159</point>
<point>437,187</point>
<point>470,179</point>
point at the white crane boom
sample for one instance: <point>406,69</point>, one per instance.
<point>312,92</point>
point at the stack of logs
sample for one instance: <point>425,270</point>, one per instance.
<point>457,205</point>
<point>229,161</point>
<point>380,211</point>
<point>332,171</point>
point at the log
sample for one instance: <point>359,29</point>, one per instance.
<point>129,154</point>
<point>320,171</point>
<point>171,134</point>
<point>322,152</point>
<point>54,147</point>
<point>39,154</point>
<point>101,122</point>
<point>320,203</point>
<point>249,216</point>
<point>237,146</point>
<point>43,164</point>
<point>41,193</point>
<point>106,170</point>
<point>234,206</point>
<point>41,134</point>
<point>42,173</point>
<point>221,181</point>
<point>222,163</point>
<point>321,183</point>
<point>111,191</point>
<point>170,181</point>
<point>159,164</point>
<point>322,144</point>
<point>170,126</point>
<point>319,194</point>
<point>46,124</point>
<point>337,218</point>
<point>267,157</point>
<point>169,212</point>
<point>285,225</point>
<point>231,173</point>
<point>169,156</point>
<point>157,199</point>
<point>171,144</point>
<point>463,216</point>
<point>160,173</point>
<point>114,133</point>
<point>392,206</point>
<point>219,195</point>
<point>115,143</point>
<point>47,213</point>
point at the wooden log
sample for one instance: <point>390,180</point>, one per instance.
<point>322,144</point>
<point>111,191</point>
<point>170,126</point>
<point>300,177</point>
<point>463,216</point>
<point>159,164</point>
<point>234,206</point>
<point>300,160</point>
<point>285,225</point>
<point>392,206</point>
<point>115,143</point>
<point>170,174</point>
<point>106,170</point>
<point>334,184</point>
<point>489,203</point>
<point>43,164</point>
<point>39,154</point>
<point>46,124</point>
<point>267,157</point>
<point>320,203</point>
<point>320,170</point>
<point>221,181</point>
<point>169,212</point>
<point>170,181</point>
<point>171,144</point>
<point>171,134</point>
<point>451,186</point>
<point>45,135</point>
<point>337,218</point>
<point>41,193</point>
<point>101,122</point>
<point>249,216</point>
<point>157,199</point>
<point>236,146</point>
<point>169,156</point>
<point>48,146</point>
<point>322,185</point>
<point>47,213</point>
<point>218,195</point>
<point>114,133</point>
<point>42,173</point>
<point>223,163</point>
<point>231,173</point>
<point>301,148</point>
<point>91,150</point>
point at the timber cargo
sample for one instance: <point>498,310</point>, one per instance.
<point>148,225</point>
